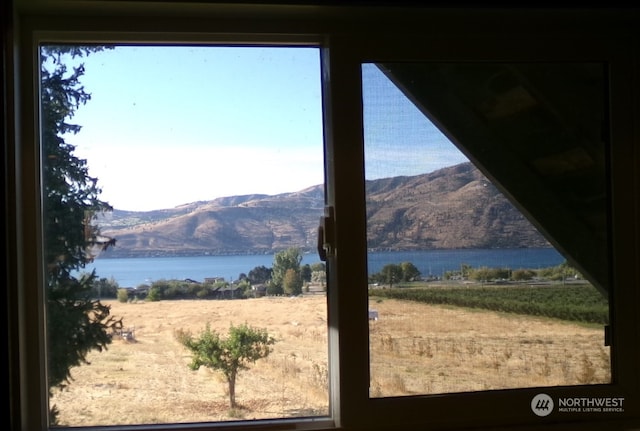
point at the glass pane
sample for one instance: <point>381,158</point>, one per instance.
<point>183,186</point>
<point>478,228</point>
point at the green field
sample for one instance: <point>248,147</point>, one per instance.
<point>578,303</point>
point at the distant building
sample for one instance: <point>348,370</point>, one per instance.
<point>213,280</point>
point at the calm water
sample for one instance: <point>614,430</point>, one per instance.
<point>132,272</point>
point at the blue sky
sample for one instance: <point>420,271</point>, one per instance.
<point>172,125</point>
<point>398,138</point>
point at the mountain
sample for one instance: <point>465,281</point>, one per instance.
<point>454,207</point>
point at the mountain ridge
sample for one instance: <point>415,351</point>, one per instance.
<point>454,207</point>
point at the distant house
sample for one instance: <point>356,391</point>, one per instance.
<point>213,280</point>
<point>138,292</point>
<point>227,292</point>
<point>259,290</point>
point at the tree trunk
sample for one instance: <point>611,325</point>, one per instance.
<point>232,391</point>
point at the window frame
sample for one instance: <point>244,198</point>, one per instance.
<point>523,46</point>
<point>347,37</point>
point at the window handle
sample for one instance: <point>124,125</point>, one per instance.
<point>326,245</point>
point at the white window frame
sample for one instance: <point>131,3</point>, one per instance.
<point>348,37</point>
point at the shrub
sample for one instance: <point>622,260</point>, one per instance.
<point>123,295</point>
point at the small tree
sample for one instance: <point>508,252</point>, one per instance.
<point>292,283</point>
<point>305,273</point>
<point>482,274</point>
<point>318,266</point>
<point>245,287</point>
<point>283,261</point>
<point>409,271</point>
<point>259,274</point>
<point>391,273</point>
<point>243,345</point>
<point>105,288</point>
<point>522,274</point>
<point>465,270</point>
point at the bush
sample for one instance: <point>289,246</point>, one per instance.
<point>274,289</point>
<point>522,274</point>
<point>154,294</point>
<point>123,295</point>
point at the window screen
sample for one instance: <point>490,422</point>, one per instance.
<point>182,189</point>
<point>486,226</point>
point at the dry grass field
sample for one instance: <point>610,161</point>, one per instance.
<point>427,349</point>
<point>415,348</point>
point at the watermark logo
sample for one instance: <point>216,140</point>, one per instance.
<point>542,405</point>
<point>591,404</point>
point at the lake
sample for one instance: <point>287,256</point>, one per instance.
<point>131,272</point>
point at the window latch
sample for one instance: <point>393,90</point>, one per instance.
<point>326,244</point>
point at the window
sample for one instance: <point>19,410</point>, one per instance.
<point>211,160</point>
<point>347,39</point>
<point>440,231</point>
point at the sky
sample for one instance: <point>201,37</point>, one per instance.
<point>167,126</point>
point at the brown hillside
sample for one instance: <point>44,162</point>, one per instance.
<point>455,207</point>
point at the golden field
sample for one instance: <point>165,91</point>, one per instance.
<point>415,349</point>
